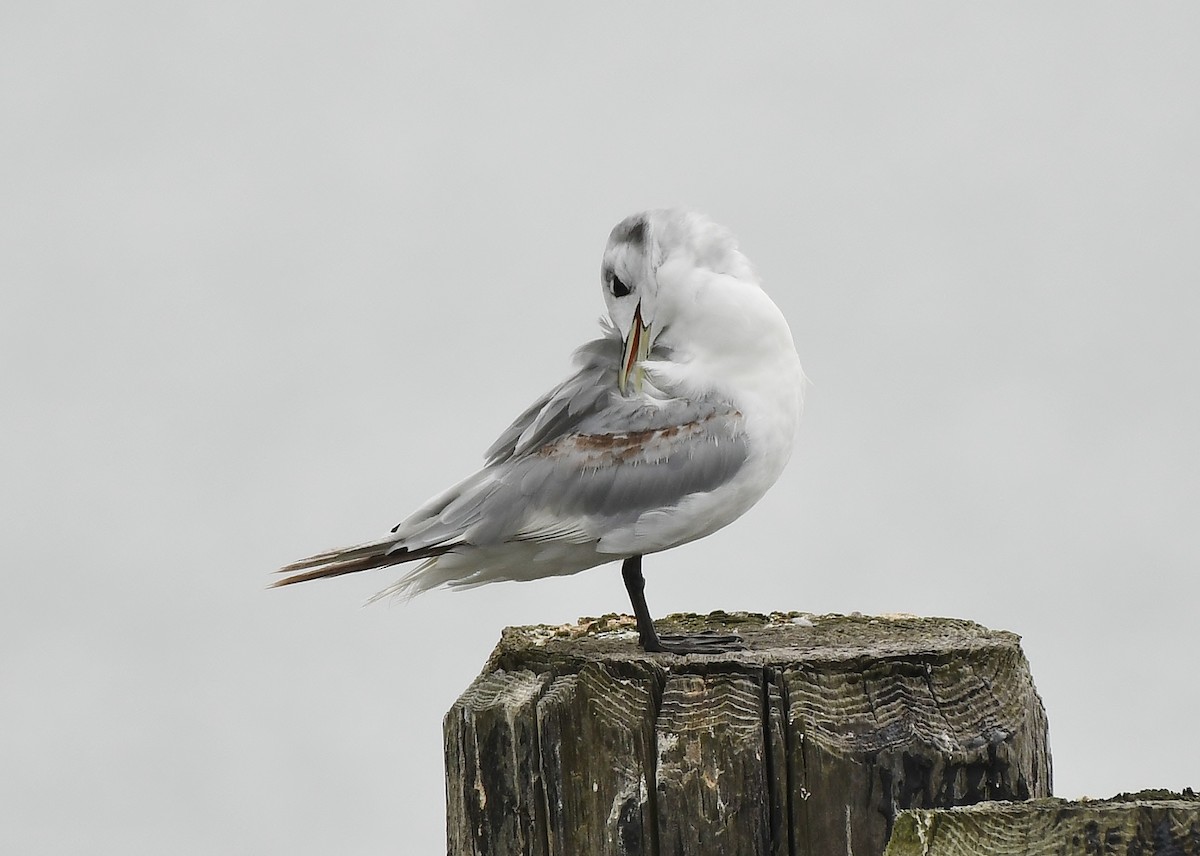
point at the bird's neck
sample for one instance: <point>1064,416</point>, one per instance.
<point>732,342</point>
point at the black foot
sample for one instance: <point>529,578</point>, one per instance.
<point>704,642</point>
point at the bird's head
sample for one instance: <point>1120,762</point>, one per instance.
<point>657,266</point>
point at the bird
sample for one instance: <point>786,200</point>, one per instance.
<point>674,423</point>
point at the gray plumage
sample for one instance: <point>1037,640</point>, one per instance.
<point>581,451</point>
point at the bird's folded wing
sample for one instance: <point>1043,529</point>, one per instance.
<point>559,410</point>
<point>603,477</point>
<point>584,459</point>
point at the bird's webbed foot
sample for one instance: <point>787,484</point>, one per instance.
<point>704,642</point>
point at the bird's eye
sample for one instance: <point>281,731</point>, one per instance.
<point>619,289</point>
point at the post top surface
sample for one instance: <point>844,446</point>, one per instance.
<point>780,638</point>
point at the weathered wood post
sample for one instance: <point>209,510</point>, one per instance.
<point>574,742</point>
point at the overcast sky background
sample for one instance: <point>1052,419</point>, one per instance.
<point>274,274</point>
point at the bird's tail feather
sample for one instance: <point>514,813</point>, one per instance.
<point>365,557</point>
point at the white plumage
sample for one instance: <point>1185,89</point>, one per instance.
<point>675,422</point>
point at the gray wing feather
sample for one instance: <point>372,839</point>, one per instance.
<point>614,477</point>
<point>561,408</point>
<point>584,453</point>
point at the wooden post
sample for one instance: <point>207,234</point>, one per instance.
<point>575,742</point>
<point>1144,823</point>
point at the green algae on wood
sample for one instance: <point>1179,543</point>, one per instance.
<point>1151,822</point>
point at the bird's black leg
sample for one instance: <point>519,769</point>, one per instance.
<point>700,643</point>
<point>635,584</point>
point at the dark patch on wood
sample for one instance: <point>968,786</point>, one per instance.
<point>778,774</point>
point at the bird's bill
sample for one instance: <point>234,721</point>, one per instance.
<point>637,348</point>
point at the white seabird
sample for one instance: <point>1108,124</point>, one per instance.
<point>676,421</point>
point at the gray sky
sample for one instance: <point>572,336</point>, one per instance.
<point>274,275</point>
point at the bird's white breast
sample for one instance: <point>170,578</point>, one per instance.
<point>743,354</point>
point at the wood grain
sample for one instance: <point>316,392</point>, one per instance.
<point>594,807</point>
<point>810,741</point>
<point>713,791</point>
<point>919,731</point>
<point>492,761</point>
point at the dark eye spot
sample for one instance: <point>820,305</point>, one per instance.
<point>619,289</point>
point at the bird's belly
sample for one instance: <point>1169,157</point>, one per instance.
<point>696,515</point>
